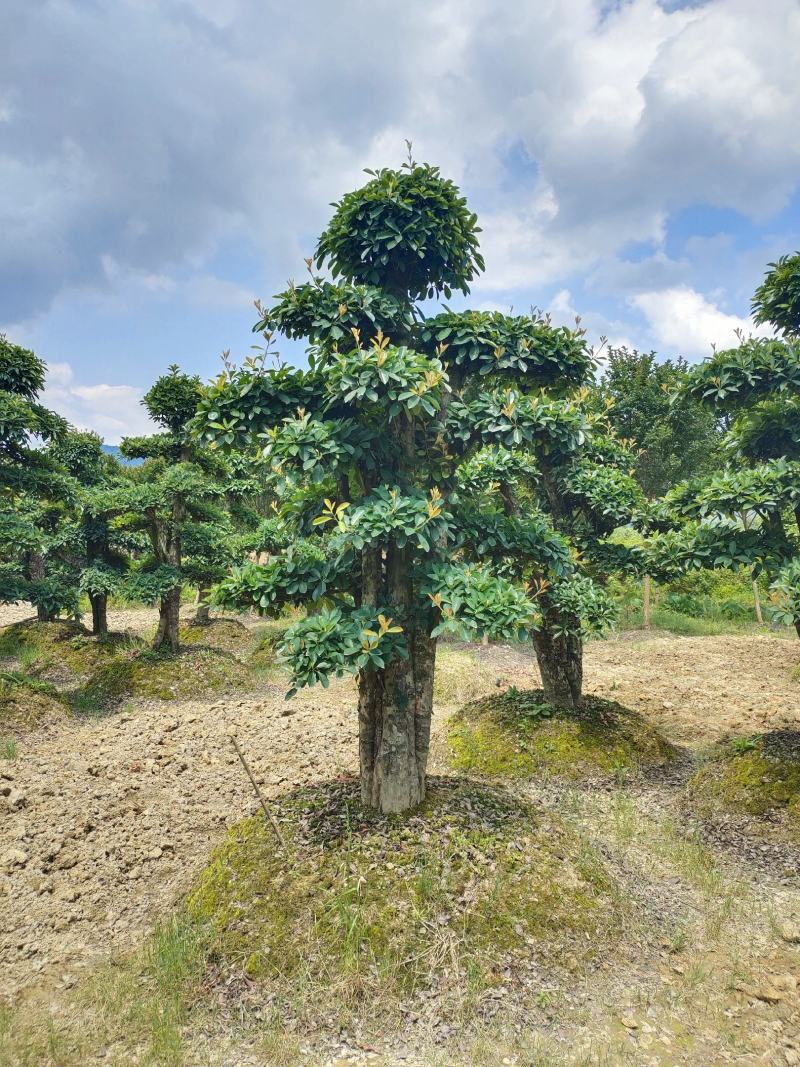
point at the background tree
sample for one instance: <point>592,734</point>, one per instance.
<point>173,497</point>
<point>674,436</point>
<point>97,552</point>
<point>367,446</point>
<point>35,490</point>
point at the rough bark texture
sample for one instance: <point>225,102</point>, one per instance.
<point>560,660</point>
<point>168,621</point>
<point>99,602</point>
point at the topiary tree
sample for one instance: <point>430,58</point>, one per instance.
<point>97,552</point>
<point>370,451</point>
<point>173,497</point>
<point>749,513</point>
<point>35,490</point>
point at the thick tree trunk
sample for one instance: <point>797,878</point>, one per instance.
<point>395,704</point>
<point>394,715</point>
<point>168,621</point>
<point>757,603</point>
<point>560,660</point>
<point>99,602</point>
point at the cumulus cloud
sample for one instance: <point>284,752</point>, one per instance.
<point>686,321</point>
<point>139,137</point>
<point>113,411</point>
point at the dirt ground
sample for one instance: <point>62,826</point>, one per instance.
<point>107,820</point>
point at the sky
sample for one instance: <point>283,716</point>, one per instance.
<point>165,162</point>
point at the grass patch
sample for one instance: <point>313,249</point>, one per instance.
<point>518,734</point>
<point>9,749</point>
<point>61,652</point>
<point>363,911</point>
<point>134,1011</point>
<point>148,675</point>
<point>757,776</point>
<point>460,676</point>
<point>226,635</point>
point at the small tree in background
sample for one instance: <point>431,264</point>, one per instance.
<point>172,497</point>
<point>35,491</point>
<point>96,551</point>
<point>368,447</point>
<point>674,435</point>
<point>191,503</point>
<point>754,503</point>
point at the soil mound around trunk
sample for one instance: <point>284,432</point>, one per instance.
<point>149,675</point>
<point>227,635</point>
<point>63,653</point>
<point>518,734</point>
<point>752,776</point>
<point>364,913</point>
<point>26,703</point>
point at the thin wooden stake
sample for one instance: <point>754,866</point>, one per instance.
<point>259,794</point>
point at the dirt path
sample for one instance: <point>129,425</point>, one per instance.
<point>107,820</point>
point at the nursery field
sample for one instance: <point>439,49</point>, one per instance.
<point>655,911</point>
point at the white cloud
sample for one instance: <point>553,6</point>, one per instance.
<point>684,320</point>
<point>167,132</point>
<point>113,411</point>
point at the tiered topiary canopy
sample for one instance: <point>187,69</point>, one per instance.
<point>436,474</point>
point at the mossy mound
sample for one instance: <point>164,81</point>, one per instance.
<point>27,702</point>
<point>147,675</point>
<point>362,909</point>
<point>267,637</point>
<point>62,652</point>
<point>517,734</point>
<point>225,634</point>
<point>752,776</point>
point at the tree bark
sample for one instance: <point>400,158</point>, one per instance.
<point>99,602</point>
<point>560,660</point>
<point>395,704</point>
<point>168,621</point>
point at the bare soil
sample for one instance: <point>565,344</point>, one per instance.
<point>105,821</point>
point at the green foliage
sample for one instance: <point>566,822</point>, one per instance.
<point>777,299</point>
<point>172,400</point>
<point>408,232</point>
<point>671,434</point>
<point>526,348</point>
<point>331,643</point>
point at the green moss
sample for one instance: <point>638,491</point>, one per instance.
<point>752,776</point>
<point>26,702</point>
<point>61,652</point>
<point>363,908</point>
<point>517,734</point>
<point>227,635</point>
<point>147,675</point>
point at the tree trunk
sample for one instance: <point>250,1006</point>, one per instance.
<point>99,602</point>
<point>757,602</point>
<point>168,621</point>
<point>646,602</point>
<point>37,574</point>
<point>395,704</point>
<point>201,616</point>
<point>394,716</point>
<point>560,662</point>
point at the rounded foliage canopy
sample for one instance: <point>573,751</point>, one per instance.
<point>408,231</point>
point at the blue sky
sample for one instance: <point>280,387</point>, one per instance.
<point>163,162</point>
